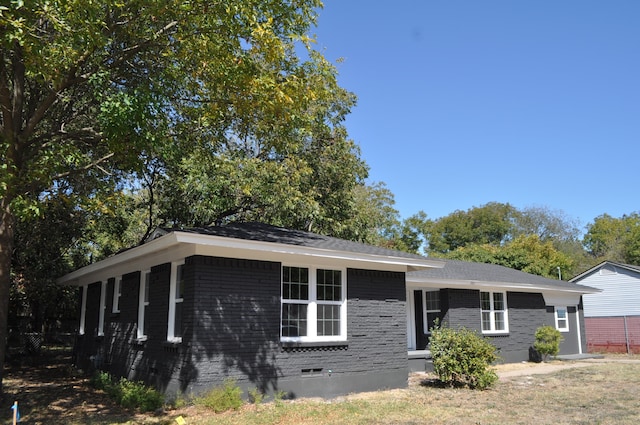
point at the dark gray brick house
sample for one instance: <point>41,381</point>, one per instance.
<point>503,304</point>
<point>292,311</point>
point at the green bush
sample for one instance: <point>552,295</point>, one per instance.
<point>256,396</point>
<point>129,394</point>
<point>547,341</point>
<point>222,398</point>
<point>462,357</point>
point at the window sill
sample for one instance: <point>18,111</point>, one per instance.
<point>139,341</point>
<point>314,344</point>
<point>500,333</point>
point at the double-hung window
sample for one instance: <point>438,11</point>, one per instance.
<point>494,313</point>
<point>176,294</point>
<point>431,309</point>
<point>143,304</point>
<point>562,319</point>
<point>313,304</point>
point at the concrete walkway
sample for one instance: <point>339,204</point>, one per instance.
<point>507,371</point>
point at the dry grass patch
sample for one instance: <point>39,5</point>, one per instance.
<point>599,394</point>
<point>603,393</point>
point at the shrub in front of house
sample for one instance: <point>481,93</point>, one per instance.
<point>129,394</point>
<point>547,341</point>
<point>461,357</point>
<point>222,398</point>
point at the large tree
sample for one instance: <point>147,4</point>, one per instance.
<point>615,239</point>
<point>87,89</point>
<point>491,223</point>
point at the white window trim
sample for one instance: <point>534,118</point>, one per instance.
<point>103,307</point>
<point>83,309</point>
<point>142,304</point>
<point>566,318</point>
<point>425,324</point>
<point>312,306</point>
<point>172,303</point>
<point>117,293</point>
<point>492,317</point>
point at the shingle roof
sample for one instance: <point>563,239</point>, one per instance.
<point>266,233</point>
<point>491,273</point>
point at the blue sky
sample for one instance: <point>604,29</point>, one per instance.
<point>460,103</point>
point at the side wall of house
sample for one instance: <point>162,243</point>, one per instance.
<point>236,333</point>
<point>527,312</point>
<point>231,329</point>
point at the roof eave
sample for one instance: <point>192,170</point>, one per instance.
<point>479,284</point>
<point>243,248</point>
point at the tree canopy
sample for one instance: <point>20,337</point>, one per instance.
<point>615,239</point>
<point>92,93</point>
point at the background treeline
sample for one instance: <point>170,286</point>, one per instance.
<point>538,240</point>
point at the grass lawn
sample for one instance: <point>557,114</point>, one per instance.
<point>597,394</point>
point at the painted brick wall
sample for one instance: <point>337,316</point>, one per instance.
<point>231,328</point>
<point>613,335</point>
<point>527,312</point>
<point>121,328</point>
<point>88,345</point>
<point>236,329</point>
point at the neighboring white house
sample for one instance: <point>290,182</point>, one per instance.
<point>612,317</point>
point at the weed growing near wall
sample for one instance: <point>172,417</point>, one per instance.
<point>129,394</point>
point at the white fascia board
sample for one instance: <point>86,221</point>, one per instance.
<point>492,286</point>
<point>176,245</point>
<point>152,249</point>
<point>557,298</point>
<point>273,251</point>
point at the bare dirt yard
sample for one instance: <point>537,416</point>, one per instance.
<point>50,391</point>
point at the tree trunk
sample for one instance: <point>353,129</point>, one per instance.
<point>6,248</point>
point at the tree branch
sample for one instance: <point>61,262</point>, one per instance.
<point>95,163</point>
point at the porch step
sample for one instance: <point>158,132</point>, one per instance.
<point>420,361</point>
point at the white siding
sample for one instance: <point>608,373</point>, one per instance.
<point>620,294</point>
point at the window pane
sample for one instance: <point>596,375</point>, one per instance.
<point>432,300</point>
<point>329,285</point>
<point>486,321</point>
<point>294,320</point>
<point>328,320</point>
<point>431,319</point>
<point>499,319</point>
<point>146,288</point>
<point>295,283</point>
<point>180,282</point>
<point>562,313</point>
<point>485,301</point>
<point>177,329</point>
<point>498,301</point>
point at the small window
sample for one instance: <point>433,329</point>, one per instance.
<point>117,293</point>
<point>562,319</point>
<point>431,309</point>
<point>313,304</point>
<point>176,298</point>
<point>494,313</point>
<point>143,305</point>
